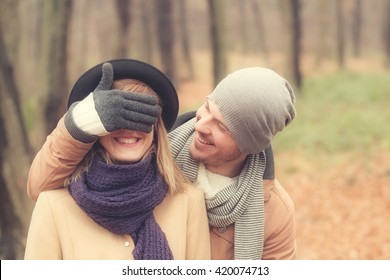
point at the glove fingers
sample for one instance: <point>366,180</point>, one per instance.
<point>107,77</point>
<point>109,102</point>
<point>139,97</point>
<point>142,103</point>
<point>140,108</point>
<point>137,126</point>
<point>137,117</point>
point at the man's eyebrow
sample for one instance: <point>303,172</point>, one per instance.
<point>214,117</point>
<point>206,104</point>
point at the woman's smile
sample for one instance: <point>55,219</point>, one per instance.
<point>127,145</point>
<point>127,140</point>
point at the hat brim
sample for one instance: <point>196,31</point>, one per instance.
<point>132,69</point>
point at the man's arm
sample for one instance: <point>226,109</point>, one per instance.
<point>56,160</point>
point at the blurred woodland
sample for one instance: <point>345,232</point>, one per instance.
<point>45,45</point>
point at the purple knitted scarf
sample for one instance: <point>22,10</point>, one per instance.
<point>121,198</point>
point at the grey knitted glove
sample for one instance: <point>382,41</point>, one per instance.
<point>106,110</point>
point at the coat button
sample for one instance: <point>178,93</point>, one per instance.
<point>127,243</point>
<point>222,229</point>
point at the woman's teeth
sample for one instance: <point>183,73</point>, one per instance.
<point>127,140</point>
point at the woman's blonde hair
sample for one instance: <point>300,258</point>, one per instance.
<point>167,167</point>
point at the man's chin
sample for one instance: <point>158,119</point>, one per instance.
<point>196,155</point>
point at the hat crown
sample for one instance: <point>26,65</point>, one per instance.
<point>256,103</point>
<point>132,69</point>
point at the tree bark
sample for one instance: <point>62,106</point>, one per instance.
<point>123,8</point>
<point>54,76</point>
<point>296,42</point>
<point>166,38</point>
<point>218,43</point>
<point>293,20</point>
<point>184,39</point>
<point>357,28</point>
<point>322,32</point>
<point>12,92</point>
<point>243,27</point>
<point>257,10</point>
<point>15,158</point>
<point>386,34</point>
<point>147,19</point>
<point>340,40</point>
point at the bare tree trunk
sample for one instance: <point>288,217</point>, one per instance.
<point>165,34</point>
<point>13,227</point>
<point>54,60</point>
<point>11,90</point>
<point>14,163</point>
<point>386,34</point>
<point>293,20</point>
<point>322,32</point>
<point>185,38</point>
<point>296,42</point>
<point>357,28</point>
<point>147,17</point>
<point>11,232</point>
<point>15,158</point>
<point>217,33</point>
<point>340,34</point>
<point>244,40</point>
<point>258,15</point>
<point>123,8</point>
<point>81,18</point>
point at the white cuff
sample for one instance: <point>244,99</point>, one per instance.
<point>86,117</point>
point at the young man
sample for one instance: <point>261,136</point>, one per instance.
<point>223,150</point>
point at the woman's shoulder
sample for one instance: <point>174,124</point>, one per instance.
<point>55,197</point>
<point>189,192</point>
<point>182,201</point>
<point>193,190</point>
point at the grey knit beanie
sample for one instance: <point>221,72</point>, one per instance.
<point>256,103</point>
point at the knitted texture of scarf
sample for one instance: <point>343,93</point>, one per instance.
<point>121,198</point>
<point>241,203</point>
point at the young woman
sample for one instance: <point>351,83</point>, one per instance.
<point>127,199</point>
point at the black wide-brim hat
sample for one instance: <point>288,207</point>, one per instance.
<point>132,69</point>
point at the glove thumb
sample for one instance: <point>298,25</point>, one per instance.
<point>107,77</point>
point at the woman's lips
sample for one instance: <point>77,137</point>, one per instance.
<point>127,140</point>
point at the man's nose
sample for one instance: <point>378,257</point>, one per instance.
<point>203,124</point>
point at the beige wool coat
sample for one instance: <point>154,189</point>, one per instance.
<point>60,229</point>
<point>61,153</point>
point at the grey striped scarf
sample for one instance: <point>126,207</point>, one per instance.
<point>241,203</point>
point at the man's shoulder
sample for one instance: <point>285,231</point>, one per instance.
<point>279,222</point>
<point>277,196</point>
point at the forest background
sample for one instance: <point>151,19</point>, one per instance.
<point>333,159</point>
